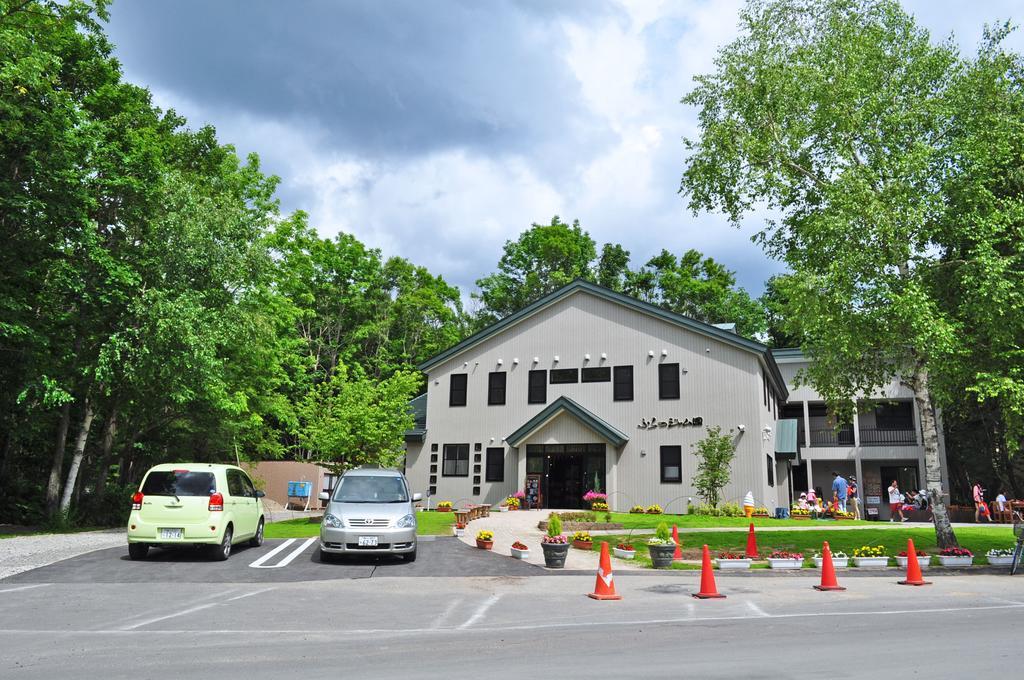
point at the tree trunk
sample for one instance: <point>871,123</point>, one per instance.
<point>79,453</point>
<point>53,485</point>
<point>944,536</point>
<point>107,445</point>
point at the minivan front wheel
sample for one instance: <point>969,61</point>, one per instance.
<point>223,551</point>
<point>138,551</point>
<point>257,540</point>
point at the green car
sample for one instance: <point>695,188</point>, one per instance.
<point>195,504</point>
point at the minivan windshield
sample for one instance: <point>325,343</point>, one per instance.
<point>179,483</point>
<point>371,489</point>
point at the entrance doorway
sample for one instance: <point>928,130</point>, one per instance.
<point>567,472</point>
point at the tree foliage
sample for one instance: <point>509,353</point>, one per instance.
<point>715,452</point>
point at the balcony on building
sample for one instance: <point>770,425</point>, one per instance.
<point>882,424</point>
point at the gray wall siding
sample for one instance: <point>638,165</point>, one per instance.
<point>721,384</point>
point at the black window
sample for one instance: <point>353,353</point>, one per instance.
<point>671,464</point>
<point>622,383</point>
<point>457,389</point>
<point>561,376</point>
<point>456,460</point>
<point>235,486</point>
<point>179,483</point>
<point>771,471</point>
<point>764,389</point>
<point>668,381</point>
<point>600,374</point>
<point>495,465</point>
<point>496,388</point>
<point>538,392</point>
<point>895,416</point>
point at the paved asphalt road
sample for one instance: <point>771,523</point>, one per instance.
<point>483,626</point>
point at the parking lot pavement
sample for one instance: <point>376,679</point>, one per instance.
<point>468,627</point>
<point>275,561</point>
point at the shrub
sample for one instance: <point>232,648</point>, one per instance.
<point>554,526</point>
<point>732,510</point>
<point>662,532</point>
<point>577,516</point>
<point>599,506</point>
<point>637,510</point>
<point>582,536</point>
<point>715,451</point>
<point>444,504</point>
<point>512,502</point>
<point>654,509</point>
<point>484,535</point>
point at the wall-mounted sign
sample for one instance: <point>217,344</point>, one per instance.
<point>874,500</point>
<point>654,423</point>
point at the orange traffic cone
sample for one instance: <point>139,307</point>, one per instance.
<point>604,589</point>
<point>828,572</point>
<point>708,589</point>
<point>914,577</point>
<point>678,554</point>
<point>751,543</point>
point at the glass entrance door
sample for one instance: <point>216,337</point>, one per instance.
<point>569,471</point>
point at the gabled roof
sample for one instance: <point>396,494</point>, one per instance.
<point>567,405</point>
<point>579,285</point>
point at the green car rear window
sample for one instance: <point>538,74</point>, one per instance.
<point>179,483</point>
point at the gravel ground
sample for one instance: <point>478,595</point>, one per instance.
<point>24,553</point>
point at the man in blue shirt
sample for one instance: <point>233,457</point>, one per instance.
<point>839,488</point>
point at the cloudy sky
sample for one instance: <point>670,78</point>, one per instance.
<point>437,130</point>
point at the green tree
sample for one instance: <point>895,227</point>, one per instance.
<point>847,119</point>
<point>351,420</point>
<point>715,452</point>
<point>776,308</point>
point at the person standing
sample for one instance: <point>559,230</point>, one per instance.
<point>851,493</point>
<point>895,502</point>
<point>839,490</point>
<point>979,503</point>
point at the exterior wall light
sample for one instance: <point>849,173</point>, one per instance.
<point>741,428</point>
<point>515,361</point>
<point>650,352</point>
<point>536,360</point>
<point>501,361</point>
<point>586,357</point>
<point>664,352</point>
<point>604,355</point>
<point>556,359</point>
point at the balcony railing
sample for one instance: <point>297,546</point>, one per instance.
<point>830,437</point>
<point>887,437</point>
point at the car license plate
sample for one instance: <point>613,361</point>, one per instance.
<point>171,533</point>
<point>367,541</point>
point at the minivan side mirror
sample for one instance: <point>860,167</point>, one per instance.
<point>261,494</point>
<point>323,496</point>
<point>417,497</point>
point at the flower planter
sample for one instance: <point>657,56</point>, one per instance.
<point>443,509</point>
<point>458,531</point>
<point>871,561</point>
<point>624,554</point>
<point>661,555</point>
<point>503,508</point>
<point>784,563</point>
<point>1001,561</point>
<point>837,562</point>
<point>800,517</point>
<point>726,564</point>
<point>923,562</point>
<point>762,515</point>
<point>955,561</point>
<point>484,545</point>
<point>520,554</point>
<point>554,554</point>
<point>583,545</point>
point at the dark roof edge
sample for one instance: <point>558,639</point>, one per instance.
<point>645,307</point>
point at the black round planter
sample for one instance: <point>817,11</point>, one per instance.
<point>554,554</point>
<point>661,555</point>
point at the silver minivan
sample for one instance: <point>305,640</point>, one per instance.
<point>370,513</point>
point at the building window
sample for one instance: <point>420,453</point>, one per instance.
<point>896,416</point>
<point>432,491</point>
<point>457,389</point>
<point>771,471</point>
<point>433,468</point>
<point>433,479</point>
<point>495,464</point>
<point>668,381</point>
<point>764,389</point>
<point>496,388</point>
<point>598,374</point>
<point>433,447</point>
<point>622,383</point>
<point>476,490</point>
<point>476,479</point>
<point>538,390</point>
<point>562,376</point>
<point>456,460</point>
<point>671,464</point>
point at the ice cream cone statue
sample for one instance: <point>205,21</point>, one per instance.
<point>748,504</point>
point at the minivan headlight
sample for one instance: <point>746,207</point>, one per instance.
<point>406,522</point>
<point>332,521</point>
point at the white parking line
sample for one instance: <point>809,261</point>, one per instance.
<point>38,585</point>
<point>259,564</point>
<point>757,610</point>
<point>255,592</point>
<point>190,610</point>
<point>480,611</point>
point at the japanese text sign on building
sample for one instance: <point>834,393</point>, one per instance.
<point>654,423</point>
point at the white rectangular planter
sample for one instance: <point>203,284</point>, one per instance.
<point>503,508</point>
<point>1003,561</point>
<point>624,554</point>
<point>871,561</point>
<point>520,554</point>
<point>785,563</point>
<point>952,561</point>
<point>923,562</point>
<point>724,564</point>
<point>837,562</point>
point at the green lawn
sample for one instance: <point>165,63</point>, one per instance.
<point>429,524</point>
<point>978,540</point>
<point>638,521</point>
